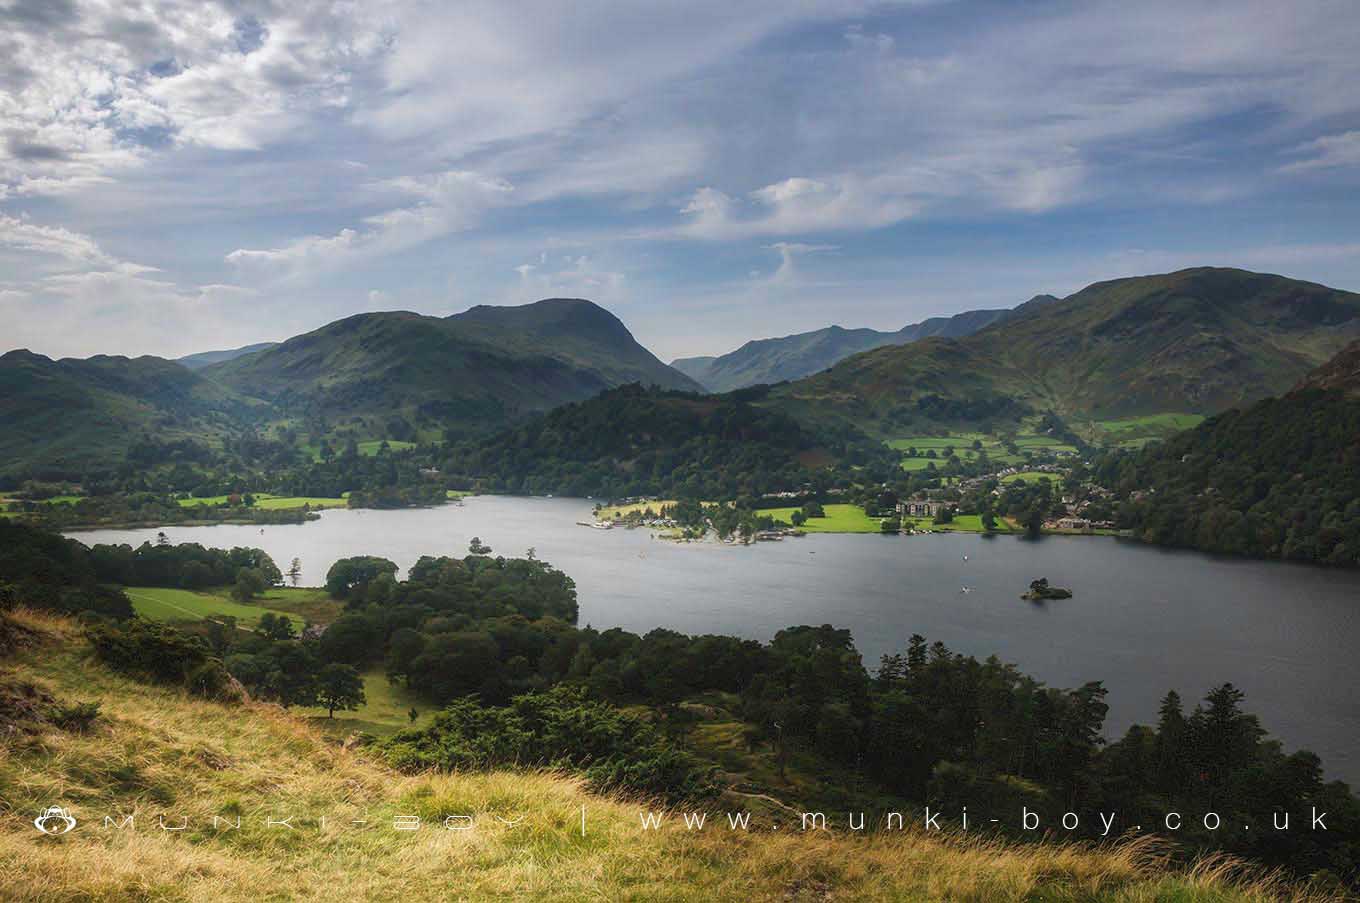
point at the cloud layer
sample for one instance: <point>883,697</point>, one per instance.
<point>239,170</point>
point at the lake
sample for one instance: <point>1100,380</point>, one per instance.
<point>1143,620</point>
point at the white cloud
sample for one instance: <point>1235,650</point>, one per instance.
<point>569,275</point>
<point>788,250</point>
<point>69,248</point>
<point>1328,152</point>
<point>360,131</point>
<point>445,202</point>
<point>92,89</point>
<point>797,206</point>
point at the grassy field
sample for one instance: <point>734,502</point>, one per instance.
<point>156,750</point>
<point>614,512</point>
<point>385,711</point>
<point>54,500</point>
<point>839,519</point>
<point>962,443</point>
<point>367,447</point>
<point>1135,432</point>
<point>164,604</point>
<point>387,706</point>
<point>270,502</point>
<point>1033,476</point>
<point>962,523</point>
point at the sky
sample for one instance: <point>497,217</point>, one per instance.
<point>180,175</point>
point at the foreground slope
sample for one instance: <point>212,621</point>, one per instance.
<point>68,415</point>
<point>1198,340</point>
<point>155,752</point>
<point>475,369</point>
<point>795,356</point>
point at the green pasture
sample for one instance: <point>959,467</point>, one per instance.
<point>839,519</point>
<point>962,523</point>
<point>270,502</point>
<point>367,447</point>
<point>161,603</point>
<point>1033,476</point>
<point>385,711</point>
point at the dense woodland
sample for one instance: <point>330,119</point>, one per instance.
<point>636,441</point>
<point>1280,479</point>
<point>492,641</point>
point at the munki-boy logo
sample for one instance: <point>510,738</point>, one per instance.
<point>54,820</point>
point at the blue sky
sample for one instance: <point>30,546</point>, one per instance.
<point>177,176</point>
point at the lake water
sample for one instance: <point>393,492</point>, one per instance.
<point>1143,620</point>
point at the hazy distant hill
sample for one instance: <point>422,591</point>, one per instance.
<point>1198,340</point>
<point>66,415</point>
<point>795,356</point>
<point>204,358</point>
<point>474,369</point>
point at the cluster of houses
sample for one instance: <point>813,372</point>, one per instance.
<point>1071,521</point>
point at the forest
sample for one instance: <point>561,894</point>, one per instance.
<point>1279,479</point>
<point>634,441</point>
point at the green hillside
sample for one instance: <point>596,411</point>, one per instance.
<point>1194,341</point>
<point>1340,374</point>
<point>155,751</point>
<point>796,356</point>
<point>70,414</point>
<point>1277,479</point>
<point>394,376</point>
<point>481,368</point>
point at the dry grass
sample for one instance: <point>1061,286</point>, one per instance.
<point>158,751</point>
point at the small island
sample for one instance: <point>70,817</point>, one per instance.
<point>1040,591</point>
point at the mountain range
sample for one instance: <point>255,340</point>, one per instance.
<point>480,368</point>
<point>796,356</point>
<point>393,375</point>
<point>62,417</point>
<point>1198,340</point>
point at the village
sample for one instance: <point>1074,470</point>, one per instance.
<point>793,513</point>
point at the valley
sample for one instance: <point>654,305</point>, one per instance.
<point>909,492</point>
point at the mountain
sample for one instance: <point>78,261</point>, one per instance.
<point>204,358</point>
<point>68,415</point>
<point>795,356</point>
<point>1277,479</point>
<point>574,330</point>
<point>400,372</point>
<point>1198,340</point>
